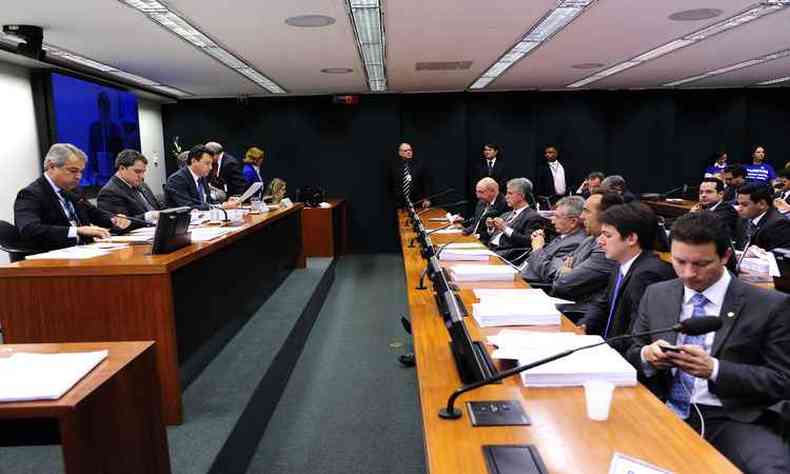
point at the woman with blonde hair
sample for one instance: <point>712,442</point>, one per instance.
<point>252,165</point>
<point>276,190</point>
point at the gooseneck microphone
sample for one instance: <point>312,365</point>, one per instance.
<point>436,195</point>
<point>691,327</point>
<point>446,206</point>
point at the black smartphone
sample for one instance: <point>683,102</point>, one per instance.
<point>671,349</point>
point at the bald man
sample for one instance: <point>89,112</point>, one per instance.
<point>490,203</point>
<point>409,178</point>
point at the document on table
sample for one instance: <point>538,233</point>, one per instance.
<point>465,245</point>
<point>204,234</point>
<point>472,272</point>
<point>481,254</point>
<point>516,313</point>
<point>29,376</point>
<point>599,363</point>
<point>450,230</point>
<point>78,252</point>
<point>523,294</point>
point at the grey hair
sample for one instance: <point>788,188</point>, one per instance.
<point>214,148</point>
<point>59,153</point>
<point>489,183</point>
<point>521,185</point>
<point>574,205</point>
<point>612,182</point>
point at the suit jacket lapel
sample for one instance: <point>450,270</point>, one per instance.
<point>730,310</point>
<point>668,312</point>
<point>56,200</point>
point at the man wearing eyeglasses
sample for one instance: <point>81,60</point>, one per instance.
<point>50,215</point>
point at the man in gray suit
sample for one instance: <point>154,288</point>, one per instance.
<point>723,381</point>
<point>545,260</point>
<point>584,274</point>
<point>512,230</point>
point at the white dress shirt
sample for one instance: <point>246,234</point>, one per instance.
<point>558,173</point>
<point>715,295</point>
<point>508,230</point>
<point>72,234</point>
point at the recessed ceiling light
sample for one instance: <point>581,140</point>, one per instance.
<point>310,21</point>
<point>588,65</point>
<point>696,14</point>
<point>336,70</point>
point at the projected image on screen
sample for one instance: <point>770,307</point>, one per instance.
<point>98,119</point>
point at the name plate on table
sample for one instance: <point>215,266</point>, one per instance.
<point>622,464</point>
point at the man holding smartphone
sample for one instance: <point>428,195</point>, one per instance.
<point>724,381</point>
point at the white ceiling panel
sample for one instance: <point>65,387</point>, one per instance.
<point>749,75</point>
<point>292,57</point>
<point>446,30</point>
<point>608,32</point>
<point>762,36</point>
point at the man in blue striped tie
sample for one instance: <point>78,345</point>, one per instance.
<point>725,384</point>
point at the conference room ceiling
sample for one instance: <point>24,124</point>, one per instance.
<point>606,33</point>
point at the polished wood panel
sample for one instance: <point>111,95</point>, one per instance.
<point>325,229</point>
<point>109,422</point>
<point>639,424</point>
<point>671,209</point>
<point>180,300</point>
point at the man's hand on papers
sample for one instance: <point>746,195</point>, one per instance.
<point>93,231</point>
<point>120,221</point>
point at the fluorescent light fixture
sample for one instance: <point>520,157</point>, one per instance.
<point>62,54</point>
<point>733,67</point>
<point>773,81</point>
<point>757,11</point>
<point>367,20</point>
<point>551,23</point>
<point>161,14</point>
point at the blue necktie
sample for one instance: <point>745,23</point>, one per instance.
<point>683,383</point>
<point>71,213</point>
<point>202,192</point>
<point>613,302</point>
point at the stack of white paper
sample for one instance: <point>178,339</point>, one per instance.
<point>600,363</point>
<point>29,376</point>
<point>78,252</point>
<point>474,272</point>
<point>203,234</point>
<point>449,230</point>
<point>524,295</point>
<point>465,245</point>
<point>481,254</point>
<point>515,313</point>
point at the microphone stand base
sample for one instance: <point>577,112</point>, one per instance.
<point>450,415</point>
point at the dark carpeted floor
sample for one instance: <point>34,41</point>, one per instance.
<point>349,407</point>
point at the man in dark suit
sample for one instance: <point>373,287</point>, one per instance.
<point>711,199</point>
<point>762,225</point>
<point>126,192</point>
<point>189,187</point>
<point>226,171</point>
<point>408,177</point>
<point>545,259</point>
<point>583,275</point>
<point>734,177</point>
<point>551,178</point>
<point>731,376</point>
<point>514,229</point>
<point>51,215</point>
<point>591,184</point>
<point>628,233</point>
<point>490,203</point>
<point>490,165</point>
<point>616,183</point>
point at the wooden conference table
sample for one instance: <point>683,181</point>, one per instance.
<point>639,424</point>
<point>674,208</point>
<point>110,421</point>
<point>189,301</point>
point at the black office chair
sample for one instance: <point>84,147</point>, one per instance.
<point>10,242</point>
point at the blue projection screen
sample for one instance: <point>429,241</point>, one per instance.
<point>99,119</point>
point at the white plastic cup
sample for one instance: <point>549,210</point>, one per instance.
<point>598,395</point>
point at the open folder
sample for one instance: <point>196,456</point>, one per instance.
<point>30,376</point>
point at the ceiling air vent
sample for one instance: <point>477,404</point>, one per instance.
<point>444,66</point>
